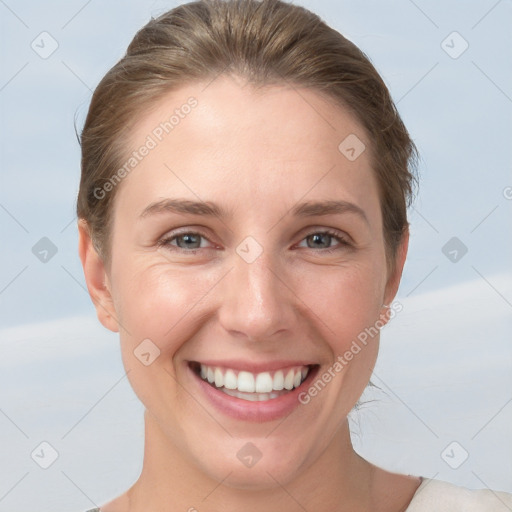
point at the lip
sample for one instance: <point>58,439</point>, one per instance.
<point>245,410</point>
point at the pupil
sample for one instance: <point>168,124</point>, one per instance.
<point>190,238</point>
<point>318,238</point>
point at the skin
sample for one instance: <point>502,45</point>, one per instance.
<point>257,153</point>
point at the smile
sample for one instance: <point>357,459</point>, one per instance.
<point>251,391</point>
<point>250,386</point>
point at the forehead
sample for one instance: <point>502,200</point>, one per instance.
<point>230,142</point>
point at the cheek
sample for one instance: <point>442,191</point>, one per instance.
<point>156,302</point>
<point>345,304</point>
<point>158,309</point>
<point>346,301</point>
<point>164,304</point>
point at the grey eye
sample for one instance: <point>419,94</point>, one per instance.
<point>319,240</point>
<point>190,241</point>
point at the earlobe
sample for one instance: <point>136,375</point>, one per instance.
<point>96,278</point>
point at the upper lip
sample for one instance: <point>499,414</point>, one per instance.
<point>252,366</point>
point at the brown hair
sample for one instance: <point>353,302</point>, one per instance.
<point>267,42</point>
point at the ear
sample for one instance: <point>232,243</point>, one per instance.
<point>395,273</point>
<point>96,278</point>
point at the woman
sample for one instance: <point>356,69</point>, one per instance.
<point>242,206</point>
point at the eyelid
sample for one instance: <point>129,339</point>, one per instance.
<point>342,238</point>
<point>166,239</point>
<point>311,230</point>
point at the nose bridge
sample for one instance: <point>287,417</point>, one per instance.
<point>256,303</point>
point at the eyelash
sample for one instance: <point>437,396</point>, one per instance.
<point>166,242</point>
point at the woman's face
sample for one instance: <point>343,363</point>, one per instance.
<point>246,239</point>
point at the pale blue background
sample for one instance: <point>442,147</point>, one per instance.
<point>446,360</point>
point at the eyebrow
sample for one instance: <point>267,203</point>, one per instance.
<point>185,206</point>
<point>319,208</point>
<point>206,208</point>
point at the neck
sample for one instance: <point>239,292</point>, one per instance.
<point>339,480</point>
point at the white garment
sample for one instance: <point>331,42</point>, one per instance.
<point>438,496</point>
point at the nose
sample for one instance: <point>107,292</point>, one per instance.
<point>257,301</point>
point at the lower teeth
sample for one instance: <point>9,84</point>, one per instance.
<point>253,397</point>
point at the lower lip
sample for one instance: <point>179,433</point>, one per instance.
<point>257,412</point>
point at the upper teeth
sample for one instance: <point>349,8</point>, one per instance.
<point>248,382</point>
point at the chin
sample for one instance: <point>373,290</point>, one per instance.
<point>256,464</point>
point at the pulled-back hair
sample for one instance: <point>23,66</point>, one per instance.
<point>268,42</point>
